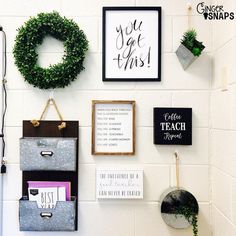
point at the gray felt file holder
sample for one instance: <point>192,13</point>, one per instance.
<point>41,153</point>
<point>60,218</point>
<point>49,154</point>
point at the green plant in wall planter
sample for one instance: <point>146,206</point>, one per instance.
<point>190,48</point>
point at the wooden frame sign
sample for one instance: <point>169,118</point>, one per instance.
<point>173,126</point>
<point>113,127</point>
<point>131,44</point>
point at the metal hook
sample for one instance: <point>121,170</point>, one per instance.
<point>51,97</point>
<point>189,6</point>
<point>176,154</point>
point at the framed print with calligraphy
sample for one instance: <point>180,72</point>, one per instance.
<point>113,127</point>
<point>131,44</point>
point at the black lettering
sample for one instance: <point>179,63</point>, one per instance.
<point>231,16</point>
<point>120,38</point>
<point>132,26</point>
<point>210,16</point>
<point>200,8</point>
<point>208,8</point>
<point>226,15</point>
<point>139,26</point>
<point>141,61</point>
<point>127,31</point>
<point>129,61</point>
<point>130,43</point>
<point>221,16</point>
<point>43,198</point>
<point>50,197</point>
<point>139,41</point>
<point>119,61</point>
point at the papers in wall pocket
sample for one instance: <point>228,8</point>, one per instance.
<point>47,197</point>
<point>49,184</point>
<point>47,193</point>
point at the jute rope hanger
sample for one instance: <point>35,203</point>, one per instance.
<point>36,123</point>
<point>177,169</point>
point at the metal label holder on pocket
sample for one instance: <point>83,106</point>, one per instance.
<point>48,154</point>
<point>49,129</point>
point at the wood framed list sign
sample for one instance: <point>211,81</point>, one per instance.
<point>131,44</point>
<point>173,126</point>
<point>113,127</point>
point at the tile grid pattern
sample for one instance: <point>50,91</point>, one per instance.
<point>178,88</point>
<point>223,125</point>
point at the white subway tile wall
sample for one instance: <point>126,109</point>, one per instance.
<point>222,127</point>
<point>179,88</point>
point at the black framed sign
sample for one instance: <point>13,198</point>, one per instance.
<point>173,126</point>
<point>131,44</point>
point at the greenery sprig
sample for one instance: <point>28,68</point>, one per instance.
<point>31,35</point>
<point>190,216</point>
<point>191,43</point>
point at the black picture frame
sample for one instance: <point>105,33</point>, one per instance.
<point>151,70</point>
<point>172,126</point>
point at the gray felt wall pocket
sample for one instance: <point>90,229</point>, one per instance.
<point>60,218</point>
<point>58,154</point>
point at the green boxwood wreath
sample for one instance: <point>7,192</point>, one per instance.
<point>31,35</point>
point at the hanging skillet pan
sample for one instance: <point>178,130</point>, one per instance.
<point>178,206</point>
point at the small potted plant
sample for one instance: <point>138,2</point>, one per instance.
<point>189,49</point>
